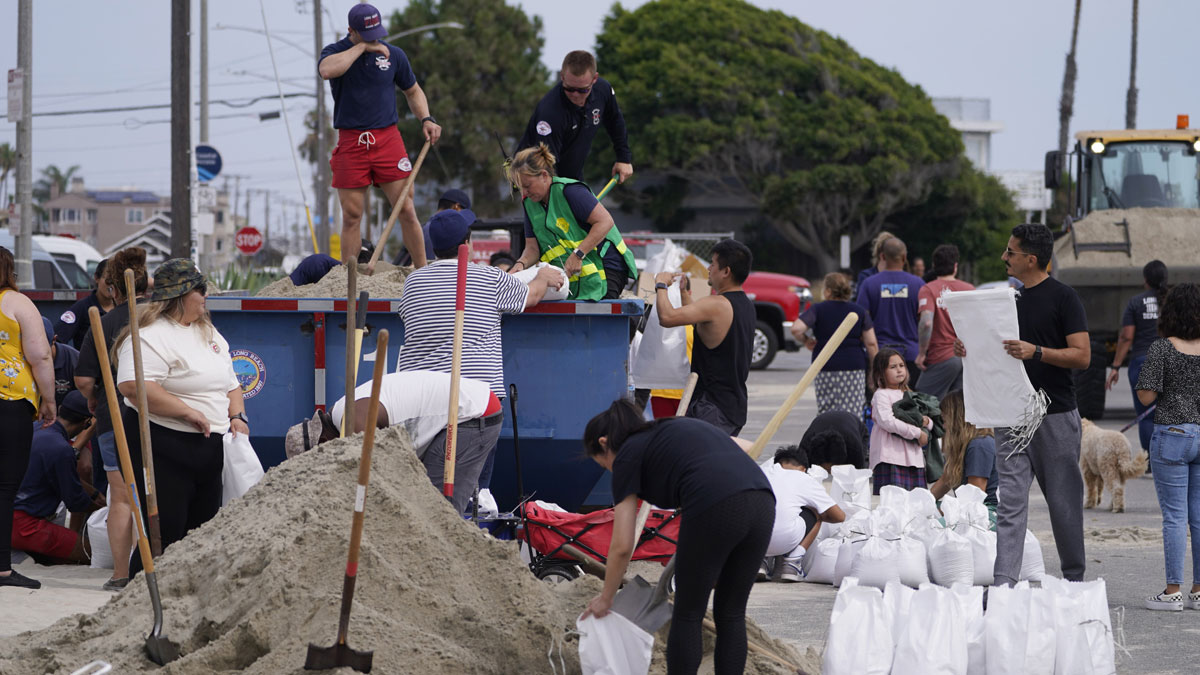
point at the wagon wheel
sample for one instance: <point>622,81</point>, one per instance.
<point>557,574</point>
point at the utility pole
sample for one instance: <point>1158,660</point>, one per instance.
<point>204,72</point>
<point>23,256</point>
<point>321,175</point>
<point>181,130</point>
<point>266,217</point>
<point>1131,95</point>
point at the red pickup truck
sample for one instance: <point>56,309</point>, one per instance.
<point>779,299</point>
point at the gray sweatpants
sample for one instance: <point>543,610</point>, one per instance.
<point>476,438</point>
<point>942,378</point>
<point>1053,458</point>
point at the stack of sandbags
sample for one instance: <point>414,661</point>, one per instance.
<point>1062,627</point>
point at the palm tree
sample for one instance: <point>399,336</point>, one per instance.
<point>8,162</point>
<point>52,175</point>
<point>1131,95</point>
<point>1066,104</point>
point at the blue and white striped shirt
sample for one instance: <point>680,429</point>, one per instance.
<point>427,309</point>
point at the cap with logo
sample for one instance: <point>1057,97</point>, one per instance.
<point>367,22</point>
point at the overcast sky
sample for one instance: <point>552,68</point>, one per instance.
<point>88,55</point>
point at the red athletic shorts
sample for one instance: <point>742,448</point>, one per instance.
<point>371,157</point>
<point>35,535</point>
<point>664,407</point>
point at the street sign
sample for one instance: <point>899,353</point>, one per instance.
<point>208,162</point>
<point>206,197</point>
<point>16,93</point>
<point>248,240</point>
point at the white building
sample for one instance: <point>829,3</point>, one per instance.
<point>972,117</point>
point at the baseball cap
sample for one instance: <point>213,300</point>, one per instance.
<point>49,330</point>
<point>174,278</point>
<point>448,229</point>
<point>457,196</point>
<point>76,405</point>
<point>367,22</point>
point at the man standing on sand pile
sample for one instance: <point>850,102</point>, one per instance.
<point>363,73</point>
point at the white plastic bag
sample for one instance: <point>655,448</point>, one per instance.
<point>859,619</point>
<point>242,469</point>
<point>893,497</point>
<point>851,486</point>
<point>951,560</point>
<point>820,561</point>
<point>1033,567</point>
<point>1040,644</point>
<point>527,275</point>
<point>897,598</point>
<point>1007,623</point>
<point>818,472</point>
<point>912,563</point>
<point>845,558</point>
<point>1082,625</point>
<point>613,645</point>
<point>658,358</point>
<point>970,603</point>
<point>876,563</point>
<point>983,554</point>
<point>97,529</point>
<point>934,640</point>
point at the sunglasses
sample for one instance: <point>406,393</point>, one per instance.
<point>202,289</point>
<point>1011,252</point>
<point>577,90</point>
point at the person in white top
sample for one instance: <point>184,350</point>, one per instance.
<point>193,398</point>
<point>801,505</point>
<point>418,401</point>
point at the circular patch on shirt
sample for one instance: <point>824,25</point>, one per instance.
<point>68,317</point>
<point>543,128</point>
<point>215,347</point>
<point>250,370</point>
<point>383,62</point>
<point>404,165</point>
<point>595,116</point>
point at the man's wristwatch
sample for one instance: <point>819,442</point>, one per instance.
<point>240,416</point>
<point>579,253</point>
<point>660,286</point>
<point>1037,353</point>
<point>428,118</point>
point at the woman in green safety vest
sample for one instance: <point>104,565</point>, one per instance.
<point>567,227</point>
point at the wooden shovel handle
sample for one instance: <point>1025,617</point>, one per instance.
<point>143,416</point>
<point>404,193</point>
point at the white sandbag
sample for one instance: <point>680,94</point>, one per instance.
<point>897,599</point>
<point>951,510</point>
<point>970,602</point>
<point>972,516</point>
<point>97,529</point>
<point>912,562</point>
<point>527,275</point>
<point>818,472</point>
<point>970,494</point>
<point>1040,643</point>
<point>660,359</point>
<point>828,531</point>
<point>951,560</point>
<point>887,522</point>
<point>983,554</point>
<point>820,561</point>
<point>921,503</point>
<point>1033,566</point>
<point>845,557</point>
<point>876,563</point>
<point>851,486</point>
<point>1007,625</point>
<point>1084,638</point>
<point>892,497</point>
<point>242,468</point>
<point>934,640</point>
<point>613,645</point>
<point>860,634</point>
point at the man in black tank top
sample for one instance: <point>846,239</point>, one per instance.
<point>724,324</point>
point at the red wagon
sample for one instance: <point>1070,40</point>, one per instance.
<point>546,532</point>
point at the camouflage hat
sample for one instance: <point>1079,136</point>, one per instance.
<point>309,434</point>
<point>175,278</point>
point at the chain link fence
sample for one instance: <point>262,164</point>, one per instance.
<point>700,244</point>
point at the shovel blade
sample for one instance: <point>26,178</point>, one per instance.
<point>642,604</point>
<point>161,650</point>
<point>337,656</point>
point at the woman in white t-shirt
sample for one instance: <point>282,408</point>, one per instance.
<point>192,394</point>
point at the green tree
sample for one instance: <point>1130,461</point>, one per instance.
<point>52,175</point>
<point>480,81</point>
<point>759,108</point>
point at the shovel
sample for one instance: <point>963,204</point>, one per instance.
<point>143,418</point>
<point>340,654</point>
<point>160,650</point>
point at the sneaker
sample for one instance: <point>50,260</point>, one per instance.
<point>15,578</point>
<point>790,570</point>
<point>1192,601</point>
<point>764,569</point>
<point>1164,602</point>
<point>115,584</point>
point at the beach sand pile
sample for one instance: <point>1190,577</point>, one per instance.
<point>249,590</point>
<point>386,282</point>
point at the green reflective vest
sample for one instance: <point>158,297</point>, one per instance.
<point>558,235</point>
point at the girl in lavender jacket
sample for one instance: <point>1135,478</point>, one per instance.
<point>896,457</point>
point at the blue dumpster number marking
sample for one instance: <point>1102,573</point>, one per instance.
<point>250,370</point>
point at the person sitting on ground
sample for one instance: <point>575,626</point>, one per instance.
<point>51,478</point>
<point>845,435</point>
<point>65,358</point>
<point>314,267</point>
<point>801,505</point>
<point>896,456</point>
<point>970,454</point>
<point>416,400</point>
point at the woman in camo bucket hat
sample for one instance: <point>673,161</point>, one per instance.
<point>192,394</point>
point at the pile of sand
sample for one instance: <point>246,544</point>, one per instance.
<point>252,588</point>
<point>386,282</point>
<point>1131,535</point>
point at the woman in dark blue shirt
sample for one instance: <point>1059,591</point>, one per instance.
<point>842,383</point>
<point>728,513</point>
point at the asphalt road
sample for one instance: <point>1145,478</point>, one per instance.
<point>1125,549</point>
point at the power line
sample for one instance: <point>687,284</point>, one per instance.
<point>159,106</point>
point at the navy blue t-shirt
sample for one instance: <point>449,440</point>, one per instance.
<point>824,318</point>
<point>891,297</point>
<point>64,371</point>
<point>51,476</point>
<point>312,269</point>
<point>980,460</point>
<point>683,463</point>
<point>72,325</point>
<point>364,97</point>
<point>1142,314</point>
<point>582,202</point>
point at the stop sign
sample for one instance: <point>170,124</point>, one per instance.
<point>248,240</point>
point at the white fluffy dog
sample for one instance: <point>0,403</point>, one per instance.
<point>1106,462</point>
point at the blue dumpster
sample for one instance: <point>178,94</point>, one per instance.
<point>289,354</point>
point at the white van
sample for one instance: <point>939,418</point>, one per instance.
<point>83,253</point>
<point>50,273</point>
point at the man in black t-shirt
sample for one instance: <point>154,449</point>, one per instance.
<point>1139,329</point>
<point>1054,339</point>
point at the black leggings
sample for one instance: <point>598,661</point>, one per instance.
<point>187,479</point>
<point>16,419</point>
<point>721,546</point>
